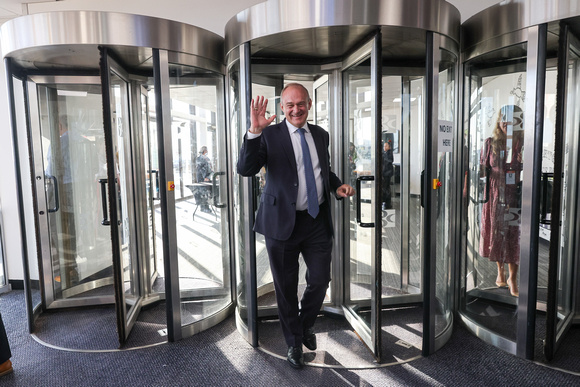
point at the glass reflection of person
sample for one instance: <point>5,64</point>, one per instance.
<point>203,165</point>
<point>204,172</point>
<point>386,175</point>
<point>501,158</point>
<point>59,167</point>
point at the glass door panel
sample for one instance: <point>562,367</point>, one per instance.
<point>402,215</point>
<point>264,281</point>
<point>444,193</point>
<point>320,101</point>
<point>362,274</point>
<point>411,183</point>
<point>126,268</point>
<point>559,297</point>
<point>74,164</point>
<point>392,262</point>
<point>495,95</point>
<point>199,168</point>
<point>235,95</point>
<point>150,155</point>
<point>154,192</point>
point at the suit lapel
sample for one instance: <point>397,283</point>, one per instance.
<point>287,145</point>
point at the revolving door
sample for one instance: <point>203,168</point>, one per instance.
<point>520,255</point>
<point>386,82</point>
<point>114,131</point>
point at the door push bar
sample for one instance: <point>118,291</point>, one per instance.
<point>105,221</point>
<point>55,190</point>
<point>358,200</point>
<point>215,191</point>
<point>157,194</point>
<point>546,197</point>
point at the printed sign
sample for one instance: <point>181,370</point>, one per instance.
<point>445,136</point>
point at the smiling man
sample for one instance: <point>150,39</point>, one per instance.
<point>294,212</point>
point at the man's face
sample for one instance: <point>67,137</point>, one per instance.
<point>295,105</point>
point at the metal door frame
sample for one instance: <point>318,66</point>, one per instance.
<point>32,83</point>
<point>125,320</point>
<point>555,334</point>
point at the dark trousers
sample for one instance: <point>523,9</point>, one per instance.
<point>4,346</point>
<point>312,238</point>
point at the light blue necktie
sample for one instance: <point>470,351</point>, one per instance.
<point>311,193</point>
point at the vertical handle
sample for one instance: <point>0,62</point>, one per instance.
<point>156,173</point>
<point>423,188</point>
<point>105,221</point>
<point>358,199</point>
<point>545,203</point>
<point>55,190</point>
<point>215,190</point>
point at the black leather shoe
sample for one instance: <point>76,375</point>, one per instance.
<point>296,357</point>
<point>309,339</point>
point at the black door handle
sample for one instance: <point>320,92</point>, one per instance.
<point>358,200</point>
<point>546,197</point>
<point>105,221</point>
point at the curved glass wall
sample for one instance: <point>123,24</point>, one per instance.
<point>519,261</point>
<point>199,172</point>
<point>369,93</point>
<point>445,170</point>
<point>128,150</point>
<point>495,153</point>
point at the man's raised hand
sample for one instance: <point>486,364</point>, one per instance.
<point>258,115</point>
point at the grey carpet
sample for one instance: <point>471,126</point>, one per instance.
<point>221,357</point>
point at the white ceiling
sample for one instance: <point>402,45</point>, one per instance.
<point>207,14</point>
<point>12,8</point>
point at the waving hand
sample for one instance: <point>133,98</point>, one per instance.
<point>258,115</point>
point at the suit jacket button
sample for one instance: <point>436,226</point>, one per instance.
<point>295,184</point>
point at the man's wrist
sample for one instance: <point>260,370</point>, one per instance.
<point>251,135</point>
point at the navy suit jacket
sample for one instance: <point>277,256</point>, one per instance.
<point>273,149</point>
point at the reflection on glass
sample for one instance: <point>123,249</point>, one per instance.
<point>445,143</point>
<point>495,100</point>
<point>569,189</point>
<point>150,156</point>
<point>123,168</point>
<point>264,274</point>
<point>153,188</point>
<point>361,159</point>
<point>72,140</point>
<point>392,267</point>
<point>237,133</point>
<point>200,190</point>
<point>320,105</point>
<point>415,138</point>
<point>34,266</point>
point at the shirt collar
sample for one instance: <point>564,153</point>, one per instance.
<point>292,128</point>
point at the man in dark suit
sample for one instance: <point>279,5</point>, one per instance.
<point>294,212</point>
